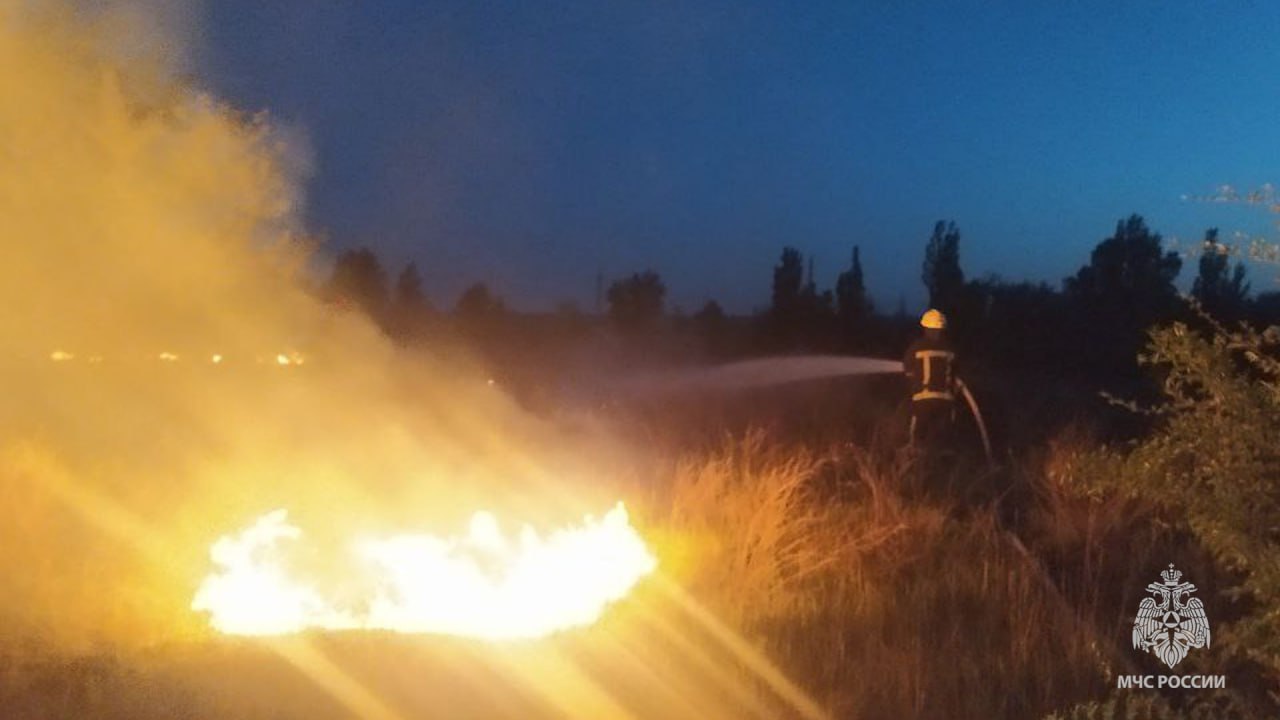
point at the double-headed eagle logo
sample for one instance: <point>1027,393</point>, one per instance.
<point>1170,623</point>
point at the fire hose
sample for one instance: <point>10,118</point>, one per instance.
<point>977,418</point>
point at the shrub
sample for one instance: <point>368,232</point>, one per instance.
<point>1210,468</point>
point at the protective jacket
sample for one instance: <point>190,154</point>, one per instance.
<point>930,367</point>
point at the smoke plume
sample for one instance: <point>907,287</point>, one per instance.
<point>169,375</point>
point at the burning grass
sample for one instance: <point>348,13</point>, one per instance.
<point>786,571</point>
<point>486,583</point>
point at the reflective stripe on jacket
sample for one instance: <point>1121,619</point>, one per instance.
<point>930,368</point>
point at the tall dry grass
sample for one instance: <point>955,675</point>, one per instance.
<point>756,523</point>
<point>881,600</point>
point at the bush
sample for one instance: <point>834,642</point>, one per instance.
<point>1210,469</point>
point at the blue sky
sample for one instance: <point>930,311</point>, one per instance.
<point>530,145</point>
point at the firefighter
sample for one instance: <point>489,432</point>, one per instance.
<point>929,364</point>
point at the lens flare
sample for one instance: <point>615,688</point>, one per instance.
<point>484,584</point>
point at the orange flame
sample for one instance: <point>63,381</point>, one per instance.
<point>483,584</point>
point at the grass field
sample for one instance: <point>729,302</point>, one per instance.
<point>801,576</point>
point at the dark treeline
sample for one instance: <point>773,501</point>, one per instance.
<point>1089,329</point>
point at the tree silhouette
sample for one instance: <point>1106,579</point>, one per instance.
<point>852,303</point>
<point>941,272</point>
<point>1021,325</point>
<point>1126,287</point>
<point>409,306</point>
<point>1129,273</point>
<point>816,309</point>
<point>1265,308</point>
<point>636,302</point>
<point>409,293</point>
<point>712,325</point>
<point>478,307</point>
<point>1222,295</point>
<point>358,280</point>
<point>788,282</point>
<point>799,314</point>
<point>710,316</point>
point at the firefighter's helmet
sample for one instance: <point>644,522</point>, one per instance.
<point>933,320</point>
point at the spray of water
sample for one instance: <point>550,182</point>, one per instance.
<point>761,372</point>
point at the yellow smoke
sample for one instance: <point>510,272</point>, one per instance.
<point>148,228</point>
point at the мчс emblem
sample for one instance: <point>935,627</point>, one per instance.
<point>1170,623</point>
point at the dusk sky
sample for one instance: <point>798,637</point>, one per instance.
<point>530,145</point>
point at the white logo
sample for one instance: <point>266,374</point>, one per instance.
<point>1168,624</point>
